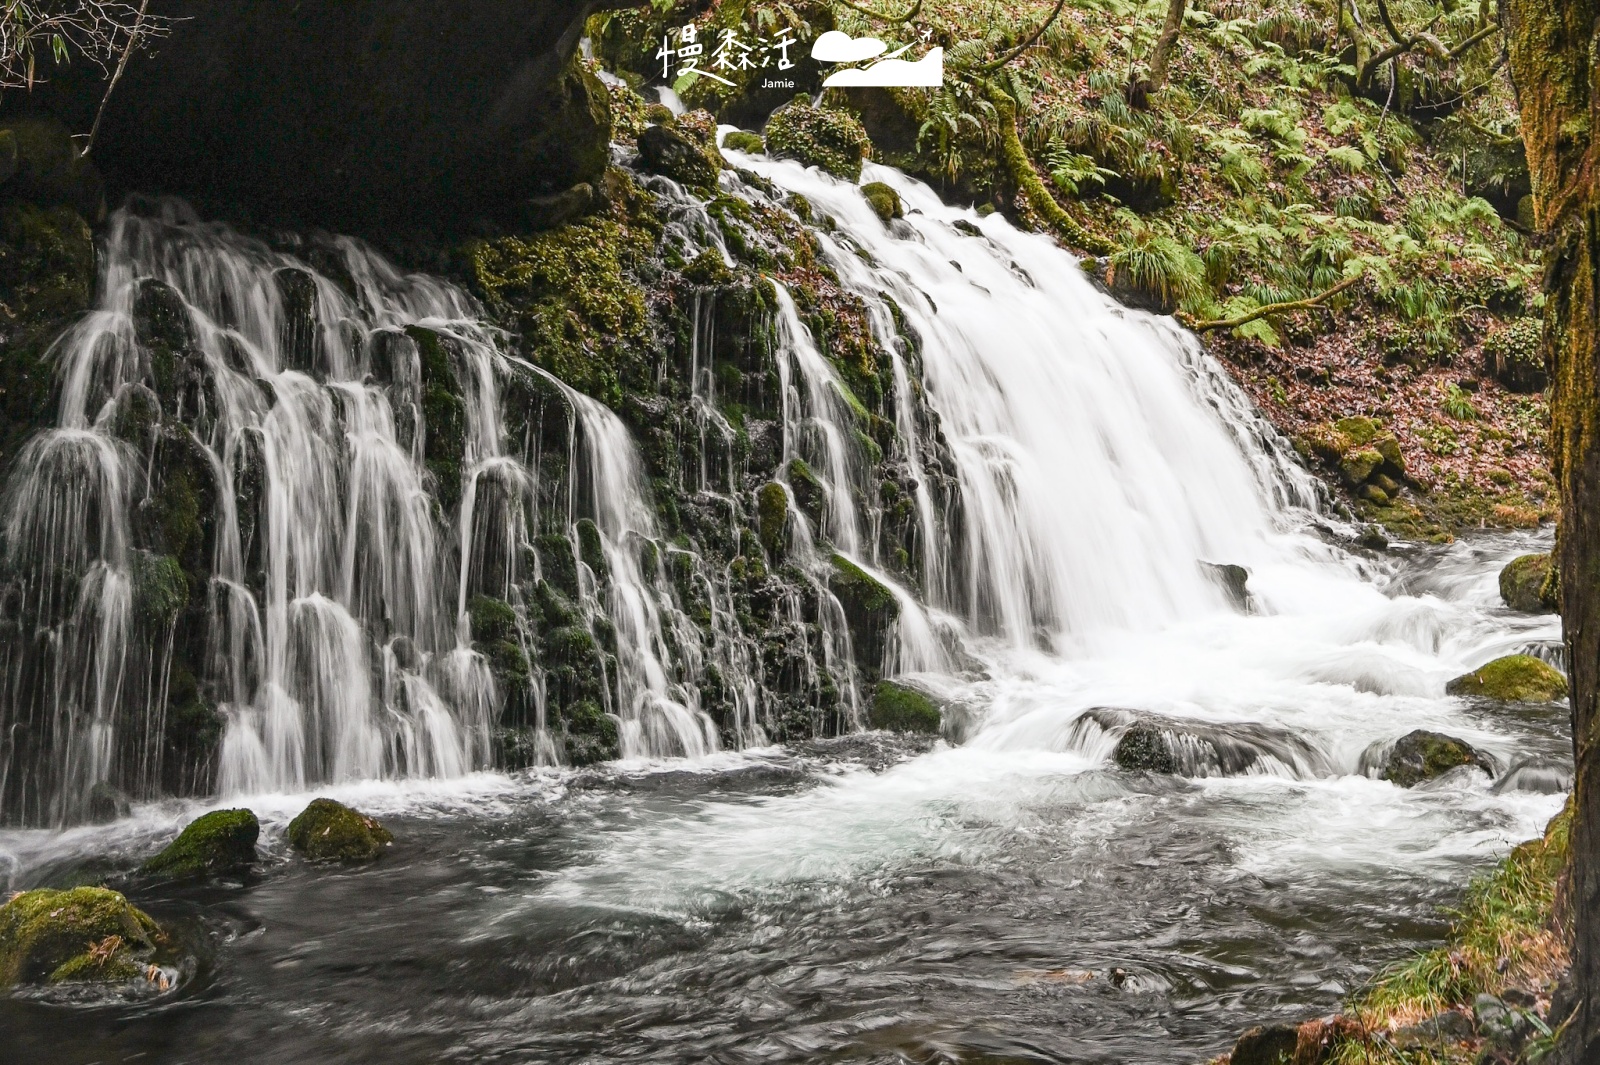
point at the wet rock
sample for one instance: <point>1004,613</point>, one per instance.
<point>220,843</point>
<point>1535,777</point>
<point>107,804</point>
<point>559,208</point>
<point>869,608</point>
<point>831,140</point>
<point>1451,1026</point>
<point>1423,755</point>
<point>1268,1044</point>
<point>898,708</point>
<point>1513,679</point>
<point>666,151</point>
<point>1235,580</point>
<point>1372,539</point>
<point>300,335</point>
<point>1359,465</point>
<point>329,831</point>
<point>1144,748</point>
<point>883,200</point>
<point>1500,1024</point>
<point>772,512</point>
<point>1527,584</point>
<point>87,934</point>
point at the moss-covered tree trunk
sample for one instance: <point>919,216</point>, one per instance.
<point>1551,45</point>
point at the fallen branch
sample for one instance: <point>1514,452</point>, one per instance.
<point>907,17</point>
<point>990,68</point>
<point>1307,304</point>
<point>1020,167</point>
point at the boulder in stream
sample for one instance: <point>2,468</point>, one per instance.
<point>667,151</point>
<point>1144,748</point>
<point>85,935</point>
<point>1513,679</point>
<point>1528,584</point>
<point>884,201</point>
<point>217,844</point>
<point>1423,755</point>
<point>329,831</point>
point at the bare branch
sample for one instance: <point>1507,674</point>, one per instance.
<point>990,68</point>
<point>104,32</point>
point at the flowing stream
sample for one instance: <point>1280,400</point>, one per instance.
<point>1004,895</point>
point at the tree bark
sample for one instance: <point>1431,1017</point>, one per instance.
<point>1162,56</point>
<point>1551,43</point>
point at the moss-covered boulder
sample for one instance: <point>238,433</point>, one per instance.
<point>1423,755</point>
<point>87,934</point>
<point>217,844</point>
<point>1143,748</point>
<point>870,607</point>
<point>1528,584</point>
<point>884,201</point>
<point>1513,679</point>
<point>329,831</point>
<point>742,140</point>
<point>772,516</point>
<point>818,136</point>
<point>666,151</point>
<point>897,708</point>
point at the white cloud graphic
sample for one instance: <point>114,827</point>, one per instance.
<point>925,72</point>
<point>836,47</point>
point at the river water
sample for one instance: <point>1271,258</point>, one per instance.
<point>1004,894</point>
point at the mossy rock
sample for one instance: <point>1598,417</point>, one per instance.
<point>219,843</point>
<point>667,151</point>
<point>1143,748</point>
<point>329,831</point>
<point>1513,679</point>
<point>897,708</point>
<point>1423,755</point>
<point>48,168</point>
<point>589,735</point>
<point>859,591</point>
<point>1528,584</point>
<point>1360,465</point>
<point>772,514</point>
<point>87,934</point>
<point>741,140</point>
<point>884,201</point>
<point>817,136</point>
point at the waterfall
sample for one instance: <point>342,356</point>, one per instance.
<point>384,537</point>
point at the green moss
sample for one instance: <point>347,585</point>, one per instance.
<point>884,200</point>
<point>741,140</point>
<point>1513,679</point>
<point>897,708</point>
<point>1529,584</point>
<point>772,515</point>
<point>87,933</point>
<point>671,151</point>
<point>1358,430</point>
<point>1422,755</point>
<point>860,591</point>
<point>221,842</point>
<point>833,141</point>
<point>571,295</point>
<point>589,735</point>
<point>592,548</point>
<point>160,590</point>
<point>491,619</point>
<point>329,831</point>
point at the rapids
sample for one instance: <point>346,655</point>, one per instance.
<point>1004,894</point>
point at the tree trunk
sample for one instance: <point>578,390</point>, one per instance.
<point>1550,43</point>
<point>1165,43</point>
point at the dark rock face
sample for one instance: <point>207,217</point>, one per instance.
<point>349,113</point>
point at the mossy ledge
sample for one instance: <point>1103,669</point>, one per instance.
<point>217,844</point>
<point>330,831</point>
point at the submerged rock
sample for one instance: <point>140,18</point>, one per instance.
<point>1513,679</point>
<point>883,200</point>
<point>1423,755</point>
<point>221,842</point>
<point>329,831</point>
<point>897,708</point>
<point>1144,748</point>
<point>1527,584</point>
<point>87,934</point>
<point>1235,580</point>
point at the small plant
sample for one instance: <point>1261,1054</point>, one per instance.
<point>1160,265</point>
<point>1457,403</point>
